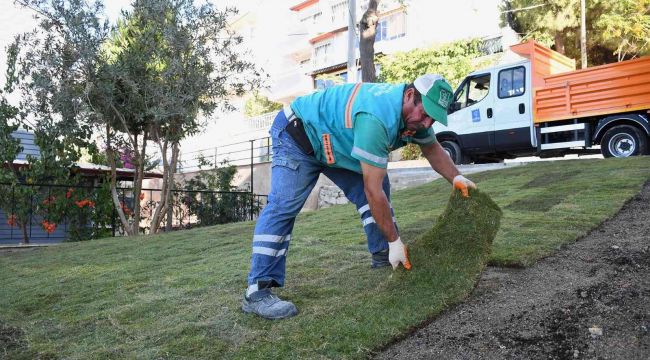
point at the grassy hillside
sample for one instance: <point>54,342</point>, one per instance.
<point>178,295</point>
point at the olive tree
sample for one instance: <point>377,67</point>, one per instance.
<point>149,79</point>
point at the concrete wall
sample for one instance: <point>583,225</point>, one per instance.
<point>402,175</point>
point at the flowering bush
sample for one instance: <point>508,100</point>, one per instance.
<point>85,202</point>
<point>48,226</point>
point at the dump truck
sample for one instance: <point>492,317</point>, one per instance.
<point>540,105</point>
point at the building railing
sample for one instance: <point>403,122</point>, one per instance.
<point>55,213</point>
<point>263,121</point>
<point>249,152</point>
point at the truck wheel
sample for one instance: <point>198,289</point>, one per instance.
<point>453,150</point>
<point>623,141</point>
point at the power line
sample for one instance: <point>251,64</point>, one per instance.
<point>525,8</point>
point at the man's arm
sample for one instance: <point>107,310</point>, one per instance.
<point>440,161</point>
<point>373,178</point>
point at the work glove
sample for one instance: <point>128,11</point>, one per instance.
<point>461,183</point>
<point>397,253</point>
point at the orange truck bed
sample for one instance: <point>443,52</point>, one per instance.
<point>560,92</point>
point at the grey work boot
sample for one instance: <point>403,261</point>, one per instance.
<point>268,305</point>
<point>380,259</point>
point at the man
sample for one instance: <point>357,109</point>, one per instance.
<point>345,132</point>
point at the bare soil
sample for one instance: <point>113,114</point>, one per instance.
<point>591,300</point>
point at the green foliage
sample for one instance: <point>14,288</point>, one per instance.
<point>259,104</point>
<point>411,152</point>
<point>625,27</point>
<point>453,61</point>
<point>616,30</point>
<point>23,196</point>
<point>169,294</point>
<point>211,198</point>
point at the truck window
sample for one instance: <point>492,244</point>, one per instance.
<point>479,87</point>
<point>461,95</point>
<point>512,82</point>
<point>473,90</point>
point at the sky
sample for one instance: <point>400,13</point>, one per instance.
<point>16,19</point>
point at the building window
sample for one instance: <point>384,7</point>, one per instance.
<point>391,27</point>
<point>321,53</point>
<point>340,11</point>
<point>313,18</point>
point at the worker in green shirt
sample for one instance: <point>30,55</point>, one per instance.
<point>345,132</point>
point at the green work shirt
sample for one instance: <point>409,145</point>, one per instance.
<point>350,123</point>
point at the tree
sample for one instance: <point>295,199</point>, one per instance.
<point>625,26</point>
<point>46,110</point>
<point>368,27</point>
<point>259,105</point>
<point>453,61</point>
<point>546,23</point>
<point>616,30</point>
<point>150,79</point>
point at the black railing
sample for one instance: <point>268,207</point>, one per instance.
<point>54,213</point>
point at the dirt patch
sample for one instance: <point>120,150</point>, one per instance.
<point>591,300</point>
<point>11,339</point>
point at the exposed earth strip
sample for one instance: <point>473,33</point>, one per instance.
<point>590,300</point>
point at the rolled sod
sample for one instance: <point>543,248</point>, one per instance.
<point>456,249</point>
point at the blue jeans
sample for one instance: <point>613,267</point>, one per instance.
<point>293,176</point>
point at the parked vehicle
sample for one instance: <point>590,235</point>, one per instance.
<point>542,106</point>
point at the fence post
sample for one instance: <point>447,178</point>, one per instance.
<point>170,207</point>
<point>13,202</point>
<point>31,211</point>
<point>252,141</point>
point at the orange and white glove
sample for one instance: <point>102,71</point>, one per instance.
<point>461,183</point>
<point>397,253</point>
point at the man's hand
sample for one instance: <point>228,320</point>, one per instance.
<point>461,183</point>
<point>397,253</point>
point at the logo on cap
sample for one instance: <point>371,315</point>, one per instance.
<point>445,98</point>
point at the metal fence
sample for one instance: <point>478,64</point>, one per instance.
<point>54,213</point>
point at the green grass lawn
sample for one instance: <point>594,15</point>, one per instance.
<point>178,295</point>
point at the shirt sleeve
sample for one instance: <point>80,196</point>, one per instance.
<point>424,137</point>
<point>371,141</point>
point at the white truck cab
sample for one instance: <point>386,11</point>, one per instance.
<point>491,115</point>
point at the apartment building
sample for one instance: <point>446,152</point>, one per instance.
<point>403,25</point>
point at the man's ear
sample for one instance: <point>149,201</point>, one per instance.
<point>408,95</point>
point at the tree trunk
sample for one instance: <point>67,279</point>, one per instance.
<point>138,174</point>
<point>23,227</point>
<point>368,30</point>
<point>559,42</point>
<point>169,169</point>
<point>159,212</point>
<point>110,154</point>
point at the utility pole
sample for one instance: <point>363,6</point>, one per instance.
<point>352,37</point>
<point>583,34</point>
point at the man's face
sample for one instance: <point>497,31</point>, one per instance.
<point>415,118</point>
